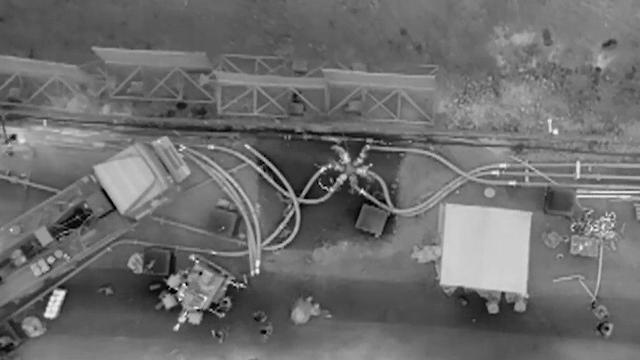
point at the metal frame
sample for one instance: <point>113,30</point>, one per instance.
<point>255,86</point>
<point>364,87</point>
<point>96,70</point>
<point>430,69</point>
<point>170,76</point>
<point>40,82</point>
<point>176,89</point>
<point>317,70</point>
<point>173,81</point>
<point>257,64</point>
<point>43,87</point>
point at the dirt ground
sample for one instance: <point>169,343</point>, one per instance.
<point>408,321</point>
<point>506,65</point>
<point>382,300</point>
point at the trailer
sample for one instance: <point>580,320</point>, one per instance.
<point>58,235</point>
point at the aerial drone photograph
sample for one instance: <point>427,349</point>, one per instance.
<point>319,179</point>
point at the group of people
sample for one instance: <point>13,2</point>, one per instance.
<point>260,317</point>
<point>604,327</point>
<point>302,311</point>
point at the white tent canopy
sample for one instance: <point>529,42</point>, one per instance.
<point>486,248</point>
<point>41,69</point>
<point>154,58</point>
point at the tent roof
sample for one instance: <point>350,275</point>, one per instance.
<point>154,58</point>
<point>486,248</point>
<point>125,180</point>
<point>351,78</point>
<point>39,68</point>
<point>228,78</point>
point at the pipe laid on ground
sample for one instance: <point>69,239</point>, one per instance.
<point>235,195</point>
<point>426,205</point>
<point>254,245</point>
<point>606,196</point>
<point>265,244</point>
<point>290,194</point>
<point>584,165</point>
<point>611,192</point>
<point>259,170</point>
<point>16,180</point>
<point>534,169</point>
<point>460,172</point>
<point>598,177</point>
<point>596,291</point>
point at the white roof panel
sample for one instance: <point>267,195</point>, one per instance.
<point>154,58</point>
<point>486,248</point>
<point>39,68</point>
<point>228,78</point>
<point>351,78</point>
<point>125,180</point>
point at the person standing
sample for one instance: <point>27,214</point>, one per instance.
<point>604,327</point>
<point>265,331</point>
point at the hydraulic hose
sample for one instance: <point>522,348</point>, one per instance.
<point>290,194</point>
<point>254,242</point>
<point>426,205</point>
<point>238,196</point>
<point>237,201</point>
<point>596,290</point>
<point>290,213</point>
<point>254,225</point>
<point>265,176</point>
<point>288,191</point>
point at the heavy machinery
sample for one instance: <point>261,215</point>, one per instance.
<point>64,231</point>
<point>201,288</point>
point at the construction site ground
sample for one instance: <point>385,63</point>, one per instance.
<point>506,65</point>
<point>500,72</point>
<point>384,304</point>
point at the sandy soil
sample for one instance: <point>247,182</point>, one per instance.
<point>507,65</point>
